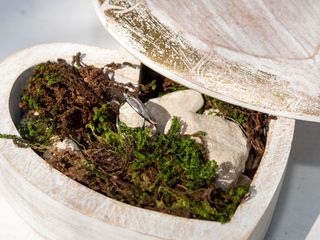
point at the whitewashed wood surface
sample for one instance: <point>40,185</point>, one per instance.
<point>25,23</point>
<point>298,205</point>
<point>262,55</point>
<point>12,226</point>
<point>60,208</point>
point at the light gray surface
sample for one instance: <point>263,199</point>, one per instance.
<point>314,233</point>
<point>30,22</point>
<point>299,202</point>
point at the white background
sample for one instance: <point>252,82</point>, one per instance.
<point>25,23</point>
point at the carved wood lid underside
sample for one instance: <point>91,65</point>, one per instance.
<point>259,54</point>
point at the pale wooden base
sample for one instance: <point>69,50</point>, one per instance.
<point>60,208</point>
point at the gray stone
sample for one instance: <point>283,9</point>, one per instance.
<point>225,142</point>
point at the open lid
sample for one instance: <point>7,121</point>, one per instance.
<point>262,55</point>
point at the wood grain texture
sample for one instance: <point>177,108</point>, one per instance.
<point>59,208</point>
<point>262,55</point>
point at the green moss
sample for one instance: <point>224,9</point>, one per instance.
<point>31,101</point>
<point>52,78</point>
<point>92,168</point>
<point>148,87</point>
<point>175,88</point>
<point>42,79</point>
<point>100,122</point>
<point>236,113</point>
<point>40,68</point>
<point>20,142</point>
<point>159,165</point>
<point>238,116</point>
<point>167,172</point>
<point>37,130</point>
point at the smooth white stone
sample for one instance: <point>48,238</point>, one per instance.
<point>225,142</point>
<point>66,144</point>
<point>162,108</point>
<point>129,116</point>
<point>57,144</point>
<point>174,104</point>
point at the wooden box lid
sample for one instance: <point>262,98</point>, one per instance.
<point>262,55</point>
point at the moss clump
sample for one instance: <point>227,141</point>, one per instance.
<point>236,113</point>
<point>37,131</point>
<point>164,172</point>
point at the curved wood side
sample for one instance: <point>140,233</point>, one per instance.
<point>60,208</point>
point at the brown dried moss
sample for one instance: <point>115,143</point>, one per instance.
<point>167,173</point>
